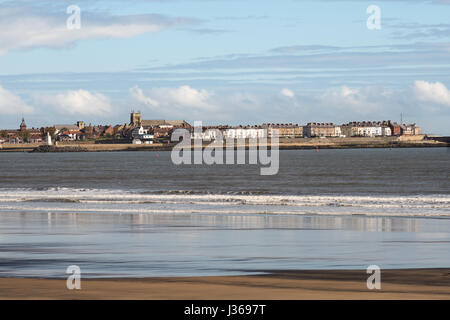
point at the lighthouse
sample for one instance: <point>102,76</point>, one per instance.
<point>48,140</point>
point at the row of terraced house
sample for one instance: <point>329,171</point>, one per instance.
<point>310,130</point>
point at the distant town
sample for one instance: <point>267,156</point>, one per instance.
<point>139,131</point>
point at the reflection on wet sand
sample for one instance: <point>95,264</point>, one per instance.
<point>126,245</point>
<point>355,223</point>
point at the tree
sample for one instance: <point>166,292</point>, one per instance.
<point>25,134</point>
<point>4,134</point>
<point>50,130</point>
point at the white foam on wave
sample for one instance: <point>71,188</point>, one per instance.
<point>423,205</point>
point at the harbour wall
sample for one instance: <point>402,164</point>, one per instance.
<point>284,143</point>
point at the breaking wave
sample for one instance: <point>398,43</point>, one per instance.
<point>184,201</point>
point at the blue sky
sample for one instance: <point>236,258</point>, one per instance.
<point>225,62</point>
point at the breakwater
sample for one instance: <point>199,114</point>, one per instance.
<point>60,149</point>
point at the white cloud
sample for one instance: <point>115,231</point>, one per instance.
<point>77,102</point>
<point>432,92</point>
<point>365,100</point>
<point>12,104</point>
<point>189,97</point>
<point>287,93</point>
<point>24,29</point>
<point>170,101</point>
<point>139,95</point>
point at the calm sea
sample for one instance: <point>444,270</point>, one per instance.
<point>122,214</point>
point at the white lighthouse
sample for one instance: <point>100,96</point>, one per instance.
<point>48,139</point>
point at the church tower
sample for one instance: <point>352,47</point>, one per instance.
<point>135,118</point>
<point>23,126</point>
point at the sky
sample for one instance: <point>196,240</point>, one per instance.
<point>225,61</point>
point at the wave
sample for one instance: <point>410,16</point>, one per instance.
<point>71,199</point>
<point>147,192</point>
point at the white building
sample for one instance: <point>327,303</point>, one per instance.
<point>245,133</point>
<point>141,135</point>
<point>368,131</point>
<point>337,131</point>
<point>209,134</point>
<point>386,131</point>
<point>374,131</point>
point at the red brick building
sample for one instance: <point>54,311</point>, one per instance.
<point>396,129</point>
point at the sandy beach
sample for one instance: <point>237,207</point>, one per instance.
<point>282,285</point>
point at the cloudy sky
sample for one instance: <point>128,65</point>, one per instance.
<point>225,61</point>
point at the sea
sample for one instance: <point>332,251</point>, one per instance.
<point>136,214</point>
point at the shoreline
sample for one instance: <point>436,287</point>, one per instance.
<point>284,144</point>
<point>432,283</point>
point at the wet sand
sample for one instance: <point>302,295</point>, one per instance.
<point>275,285</point>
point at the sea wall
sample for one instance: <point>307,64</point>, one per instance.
<point>359,142</point>
<point>92,147</point>
<point>18,147</point>
<point>284,143</point>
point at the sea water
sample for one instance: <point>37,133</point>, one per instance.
<point>135,214</point>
